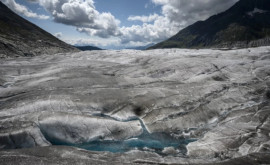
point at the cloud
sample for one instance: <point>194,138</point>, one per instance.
<point>146,6</point>
<point>94,42</point>
<point>154,32</point>
<point>83,15</point>
<point>187,12</point>
<point>34,1</point>
<point>175,15</point>
<point>105,26</point>
<point>20,9</point>
<point>58,35</point>
<point>150,18</point>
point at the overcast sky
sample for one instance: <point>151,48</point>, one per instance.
<point>115,23</point>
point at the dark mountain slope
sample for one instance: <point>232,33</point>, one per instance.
<point>87,48</point>
<point>19,37</point>
<point>142,47</point>
<point>246,24</point>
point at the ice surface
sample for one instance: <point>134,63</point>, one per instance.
<point>219,97</point>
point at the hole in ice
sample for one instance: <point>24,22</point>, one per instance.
<point>157,144</point>
<point>154,142</point>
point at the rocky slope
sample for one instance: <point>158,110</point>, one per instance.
<point>19,37</point>
<point>246,24</point>
<point>158,106</point>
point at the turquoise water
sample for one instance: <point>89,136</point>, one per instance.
<point>155,142</point>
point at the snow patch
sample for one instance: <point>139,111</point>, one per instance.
<point>256,11</point>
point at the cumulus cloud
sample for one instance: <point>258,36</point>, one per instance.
<point>99,42</point>
<point>175,15</point>
<point>32,1</point>
<point>187,12</point>
<point>58,35</point>
<point>105,26</point>
<point>83,15</point>
<point>20,9</point>
<point>150,18</point>
<point>155,32</point>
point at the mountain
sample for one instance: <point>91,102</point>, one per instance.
<point>246,24</point>
<point>19,37</point>
<point>87,48</point>
<point>142,47</point>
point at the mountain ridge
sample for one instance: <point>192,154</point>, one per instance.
<point>19,37</point>
<point>141,47</point>
<point>87,48</point>
<point>245,24</point>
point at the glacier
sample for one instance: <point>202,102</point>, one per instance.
<point>136,107</point>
